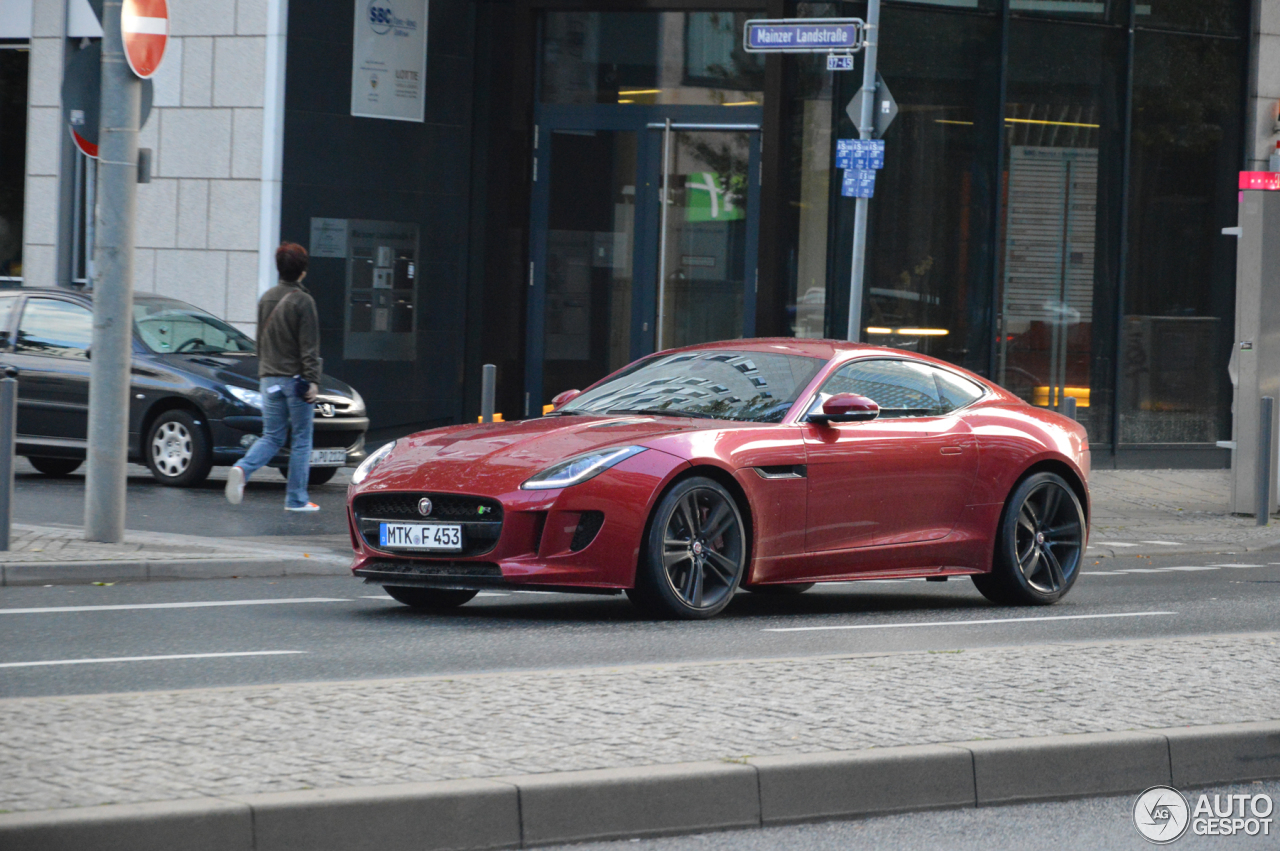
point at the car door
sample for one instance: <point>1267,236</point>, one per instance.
<point>901,478</point>
<point>51,352</point>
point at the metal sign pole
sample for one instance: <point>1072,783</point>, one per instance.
<point>111,353</point>
<point>866,127</point>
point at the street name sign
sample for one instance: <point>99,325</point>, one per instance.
<point>144,26</point>
<point>803,35</point>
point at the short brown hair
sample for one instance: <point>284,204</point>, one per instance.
<point>291,261</point>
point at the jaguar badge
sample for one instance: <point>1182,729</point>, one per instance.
<point>424,506</point>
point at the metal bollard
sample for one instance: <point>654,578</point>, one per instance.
<point>8,426</point>
<point>1263,493</point>
<point>488,392</point>
<point>1069,407</point>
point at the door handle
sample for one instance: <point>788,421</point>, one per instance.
<point>952,450</point>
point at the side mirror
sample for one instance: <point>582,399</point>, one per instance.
<point>562,399</point>
<point>846,408</point>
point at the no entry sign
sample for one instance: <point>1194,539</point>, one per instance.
<point>144,24</point>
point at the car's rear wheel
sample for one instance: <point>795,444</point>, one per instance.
<point>55,466</point>
<point>695,552</point>
<point>432,599</point>
<point>177,450</point>
<point>790,589</point>
<point>1039,546</point>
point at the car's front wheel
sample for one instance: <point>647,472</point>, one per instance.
<point>177,450</point>
<point>431,599</point>
<point>695,553</point>
<point>56,467</point>
<point>1040,544</point>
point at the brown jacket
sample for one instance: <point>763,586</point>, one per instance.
<point>290,343</point>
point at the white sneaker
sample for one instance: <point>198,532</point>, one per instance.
<point>235,485</point>
<point>310,506</point>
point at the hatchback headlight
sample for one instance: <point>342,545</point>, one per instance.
<point>252,398</point>
<point>375,458</point>
<point>580,468</point>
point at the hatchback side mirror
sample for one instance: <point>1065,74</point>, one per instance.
<point>562,399</point>
<point>846,408</point>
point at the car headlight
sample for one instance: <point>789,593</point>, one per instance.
<point>375,458</point>
<point>252,398</point>
<point>357,402</point>
<point>580,468</point>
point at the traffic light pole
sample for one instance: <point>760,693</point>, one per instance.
<point>111,351</point>
<point>866,129</point>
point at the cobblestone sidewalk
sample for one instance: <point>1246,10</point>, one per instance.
<point>83,751</point>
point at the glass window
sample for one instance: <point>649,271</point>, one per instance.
<point>686,58</point>
<point>956,392</point>
<point>1179,299</point>
<point>171,326</point>
<point>901,389</point>
<point>6,316</point>
<point>1209,16</point>
<point>754,386</point>
<point>55,328</point>
<point>13,161</point>
<point>1063,154</point>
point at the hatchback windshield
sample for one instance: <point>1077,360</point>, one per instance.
<point>169,326</point>
<point>715,384</point>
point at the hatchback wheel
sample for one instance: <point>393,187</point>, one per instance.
<point>177,450</point>
<point>1040,544</point>
<point>695,553</point>
<point>56,466</point>
<point>437,599</point>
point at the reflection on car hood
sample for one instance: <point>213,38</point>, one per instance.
<point>240,370</point>
<point>495,458</point>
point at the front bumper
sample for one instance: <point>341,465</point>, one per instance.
<point>586,537</point>
<point>230,444</point>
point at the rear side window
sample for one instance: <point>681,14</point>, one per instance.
<point>55,328</point>
<point>956,392</point>
<point>6,316</point>
<point>901,389</point>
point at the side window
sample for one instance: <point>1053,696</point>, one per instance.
<point>6,316</point>
<point>901,389</point>
<point>955,391</point>
<point>55,328</point>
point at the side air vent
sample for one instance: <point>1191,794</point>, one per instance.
<point>785,471</point>
<point>588,527</point>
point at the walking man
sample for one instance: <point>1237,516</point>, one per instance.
<point>289,375</point>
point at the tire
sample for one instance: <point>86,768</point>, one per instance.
<point>789,590</point>
<point>177,450</point>
<point>694,554</point>
<point>1039,544</point>
<point>430,599</point>
<point>56,467</point>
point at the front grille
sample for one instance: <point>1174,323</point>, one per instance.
<point>588,527</point>
<point>481,518</point>
<point>324,439</point>
<point>396,506</point>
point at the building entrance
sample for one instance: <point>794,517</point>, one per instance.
<point>644,237</point>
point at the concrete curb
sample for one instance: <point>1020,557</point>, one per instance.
<point>148,570</point>
<point>544,809</point>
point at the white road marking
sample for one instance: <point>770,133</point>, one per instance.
<point>1237,565</point>
<point>1162,543</point>
<point>965,623</point>
<point>1192,567</point>
<point>1113,544</point>
<point>149,658</point>
<point>200,605</point>
<point>1144,570</point>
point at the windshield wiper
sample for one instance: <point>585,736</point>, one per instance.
<point>661,413</point>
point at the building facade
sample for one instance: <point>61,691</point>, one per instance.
<point>1050,212</point>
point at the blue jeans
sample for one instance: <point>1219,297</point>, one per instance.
<point>283,412</point>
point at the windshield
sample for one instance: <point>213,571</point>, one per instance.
<point>168,326</point>
<point>751,386</point>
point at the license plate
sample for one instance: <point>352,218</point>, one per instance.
<point>420,536</point>
<point>328,457</point>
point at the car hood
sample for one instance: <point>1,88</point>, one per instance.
<point>239,370</point>
<point>496,458</point>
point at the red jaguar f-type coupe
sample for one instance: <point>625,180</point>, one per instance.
<point>765,464</point>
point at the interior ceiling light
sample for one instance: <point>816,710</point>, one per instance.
<point>874,330</point>
<point>638,91</point>
<point>923,332</point>
<point>1050,123</point>
<point>742,103</point>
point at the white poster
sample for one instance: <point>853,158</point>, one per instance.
<point>389,59</point>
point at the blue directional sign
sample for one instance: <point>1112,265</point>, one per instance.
<point>860,153</point>
<point>803,35</point>
<point>858,183</point>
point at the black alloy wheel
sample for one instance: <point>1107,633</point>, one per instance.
<point>695,553</point>
<point>177,450</point>
<point>1040,546</point>
<point>56,467</point>
<point>430,599</point>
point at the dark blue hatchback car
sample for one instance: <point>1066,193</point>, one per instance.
<point>193,399</point>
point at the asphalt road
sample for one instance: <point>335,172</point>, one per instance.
<point>76,639</point>
<point>1092,823</point>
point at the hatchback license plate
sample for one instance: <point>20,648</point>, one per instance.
<point>328,457</point>
<point>420,536</point>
